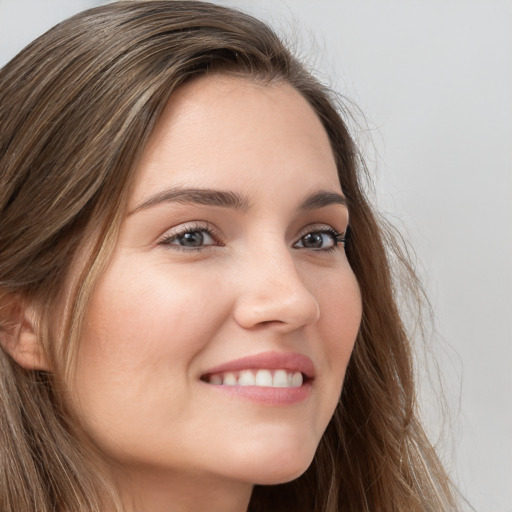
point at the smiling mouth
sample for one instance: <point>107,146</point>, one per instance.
<point>279,378</point>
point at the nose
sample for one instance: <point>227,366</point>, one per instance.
<point>274,294</point>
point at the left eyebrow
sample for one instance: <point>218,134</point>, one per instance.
<point>322,198</point>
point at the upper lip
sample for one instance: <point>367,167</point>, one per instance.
<point>293,362</point>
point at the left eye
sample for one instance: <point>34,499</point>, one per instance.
<point>320,240</point>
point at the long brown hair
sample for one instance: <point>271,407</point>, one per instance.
<point>76,109</point>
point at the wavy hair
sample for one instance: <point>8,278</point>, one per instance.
<point>76,109</point>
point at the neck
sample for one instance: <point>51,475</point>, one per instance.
<point>143,490</point>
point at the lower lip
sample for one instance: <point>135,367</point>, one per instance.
<point>267,395</point>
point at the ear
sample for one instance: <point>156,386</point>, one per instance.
<point>20,339</point>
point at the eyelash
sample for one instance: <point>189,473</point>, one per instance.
<point>338,238</point>
<point>190,228</point>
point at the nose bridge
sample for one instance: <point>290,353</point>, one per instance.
<point>274,291</point>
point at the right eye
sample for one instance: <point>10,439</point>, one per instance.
<point>190,238</point>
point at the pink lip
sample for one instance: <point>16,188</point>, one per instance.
<point>268,360</point>
<point>266,396</point>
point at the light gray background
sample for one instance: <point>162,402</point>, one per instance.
<point>434,78</point>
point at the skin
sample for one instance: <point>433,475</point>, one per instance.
<point>162,314</point>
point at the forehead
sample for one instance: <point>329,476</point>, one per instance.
<point>221,131</point>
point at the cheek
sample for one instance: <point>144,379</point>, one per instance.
<point>158,311</point>
<point>142,334</point>
<point>340,317</point>
<point>340,304</point>
<point>137,356</point>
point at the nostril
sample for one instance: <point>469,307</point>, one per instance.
<point>267,323</point>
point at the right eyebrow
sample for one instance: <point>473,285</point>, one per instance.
<point>208,197</point>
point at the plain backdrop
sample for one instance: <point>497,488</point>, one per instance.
<point>434,79</point>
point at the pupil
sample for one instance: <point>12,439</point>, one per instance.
<point>313,240</point>
<point>192,239</point>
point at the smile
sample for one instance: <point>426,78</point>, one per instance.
<point>267,378</point>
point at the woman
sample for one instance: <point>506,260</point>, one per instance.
<point>190,276</point>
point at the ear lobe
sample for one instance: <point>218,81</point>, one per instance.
<point>20,339</point>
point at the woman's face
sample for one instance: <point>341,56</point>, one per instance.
<point>217,340</point>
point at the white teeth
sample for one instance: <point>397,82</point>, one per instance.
<point>229,379</point>
<point>280,379</point>
<point>246,378</point>
<point>261,378</point>
<point>296,380</point>
<point>264,378</point>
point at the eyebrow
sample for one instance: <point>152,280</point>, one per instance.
<point>322,198</point>
<point>233,200</point>
<point>207,197</point>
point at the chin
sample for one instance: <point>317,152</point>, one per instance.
<point>275,463</point>
<point>283,472</point>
